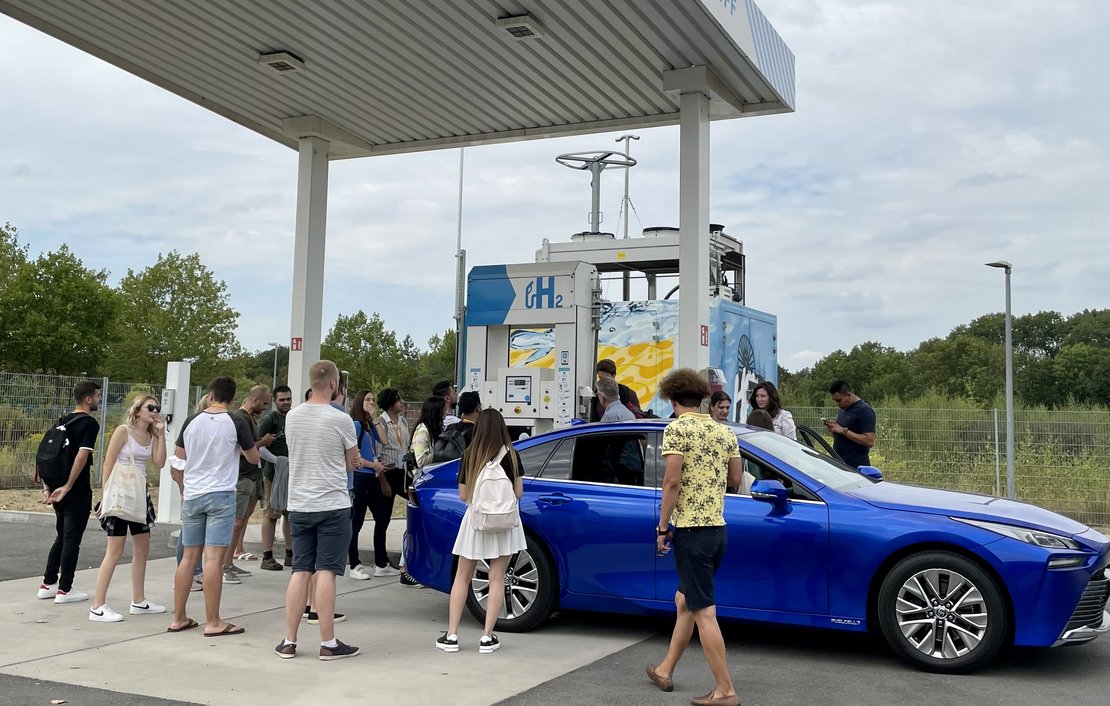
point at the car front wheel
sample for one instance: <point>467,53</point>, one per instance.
<point>942,613</point>
<point>529,589</point>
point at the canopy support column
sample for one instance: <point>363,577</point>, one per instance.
<point>308,261</point>
<point>693,221</point>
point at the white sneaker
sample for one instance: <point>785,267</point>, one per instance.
<point>47,591</point>
<point>71,596</point>
<point>387,570</point>
<point>359,573</point>
<point>104,614</point>
<point>147,607</point>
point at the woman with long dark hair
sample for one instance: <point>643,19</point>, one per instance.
<point>720,404</point>
<point>490,442</point>
<point>428,429</point>
<point>370,488</point>
<point>765,396</point>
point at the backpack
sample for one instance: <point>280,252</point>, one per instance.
<point>636,411</point>
<point>450,444</point>
<point>494,504</point>
<point>52,460</point>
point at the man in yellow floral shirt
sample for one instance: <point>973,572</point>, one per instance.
<point>702,458</point>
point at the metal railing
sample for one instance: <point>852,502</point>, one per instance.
<point>30,403</point>
<point>1061,459</point>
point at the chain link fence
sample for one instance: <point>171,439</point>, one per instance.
<point>1061,459</point>
<point>29,404</point>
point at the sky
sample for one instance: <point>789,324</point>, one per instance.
<point>929,138</point>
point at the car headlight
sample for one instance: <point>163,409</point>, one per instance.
<point>1024,534</point>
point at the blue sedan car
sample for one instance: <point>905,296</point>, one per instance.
<point>948,578</point>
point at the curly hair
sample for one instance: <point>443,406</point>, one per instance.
<point>774,402</point>
<point>685,387</point>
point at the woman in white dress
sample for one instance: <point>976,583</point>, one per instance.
<point>490,440</point>
<point>765,396</point>
<point>140,440</point>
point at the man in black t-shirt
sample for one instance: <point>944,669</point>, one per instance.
<point>72,501</point>
<point>854,429</point>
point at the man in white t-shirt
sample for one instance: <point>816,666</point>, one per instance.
<point>322,447</point>
<point>211,442</point>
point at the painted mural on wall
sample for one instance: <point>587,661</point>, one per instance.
<point>640,337</point>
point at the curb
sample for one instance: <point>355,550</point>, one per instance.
<point>24,517</point>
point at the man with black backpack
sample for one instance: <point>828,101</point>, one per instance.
<point>63,465</point>
<point>455,438</point>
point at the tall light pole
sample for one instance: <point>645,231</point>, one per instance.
<point>1003,265</point>
<point>626,139</point>
<point>275,344</point>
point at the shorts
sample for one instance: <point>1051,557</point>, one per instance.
<point>320,540</point>
<point>268,511</point>
<point>697,554</point>
<point>118,527</point>
<point>246,490</point>
<point>207,520</point>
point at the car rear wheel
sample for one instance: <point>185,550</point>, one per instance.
<point>529,588</point>
<point>942,613</point>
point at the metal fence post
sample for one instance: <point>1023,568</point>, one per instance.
<point>101,443</point>
<point>998,460</point>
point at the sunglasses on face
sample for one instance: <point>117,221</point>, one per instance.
<point>153,408</point>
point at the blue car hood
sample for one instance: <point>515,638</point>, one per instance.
<point>912,498</point>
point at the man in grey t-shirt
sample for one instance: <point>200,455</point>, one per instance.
<point>322,446</point>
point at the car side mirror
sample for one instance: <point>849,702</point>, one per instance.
<point>871,472</point>
<point>770,491</point>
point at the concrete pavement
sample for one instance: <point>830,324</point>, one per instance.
<point>395,627</point>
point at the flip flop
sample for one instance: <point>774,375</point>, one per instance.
<point>187,626</point>
<point>229,629</point>
<point>246,556</point>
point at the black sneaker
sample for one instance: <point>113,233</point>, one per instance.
<point>340,651</point>
<point>285,651</point>
<point>488,644</point>
<point>448,643</point>
<point>407,580</point>
<point>314,619</point>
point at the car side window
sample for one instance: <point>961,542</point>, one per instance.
<point>617,458</point>
<point>560,462</point>
<point>754,470</point>
<point>533,458</point>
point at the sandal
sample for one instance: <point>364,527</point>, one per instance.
<point>246,556</point>
<point>187,626</point>
<point>229,629</point>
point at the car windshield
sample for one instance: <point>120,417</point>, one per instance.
<point>817,466</point>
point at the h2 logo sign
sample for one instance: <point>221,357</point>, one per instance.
<point>541,294</point>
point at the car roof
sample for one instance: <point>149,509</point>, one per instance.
<point>646,423</point>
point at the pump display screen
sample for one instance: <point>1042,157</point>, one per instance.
<point>518,388</point>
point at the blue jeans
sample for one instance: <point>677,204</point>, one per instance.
<point>208,520</point>
<point>199,570</point>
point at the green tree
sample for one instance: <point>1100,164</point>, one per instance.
<point>59,316</point>
<point>1084,371</point>
<point>1089,326</point>
<point>363,346</point>
<point>961,366</point>
<point>873,370</point>
<point>175,309</point>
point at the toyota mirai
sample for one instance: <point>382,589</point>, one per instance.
<point>948,578</point>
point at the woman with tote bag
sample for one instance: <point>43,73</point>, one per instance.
<point>140,440</point>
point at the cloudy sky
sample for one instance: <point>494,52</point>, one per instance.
<point>929,138</point>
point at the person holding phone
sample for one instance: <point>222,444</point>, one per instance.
<point>854,428</point>
<point>138,442</point>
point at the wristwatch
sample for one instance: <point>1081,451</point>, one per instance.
<point>662,532</point>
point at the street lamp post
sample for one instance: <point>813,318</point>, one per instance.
<point>626,139</point>
<point>1003,265</point>
<point>275,344</point>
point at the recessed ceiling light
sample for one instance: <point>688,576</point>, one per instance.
<point>281,62</point>
<point>520,27</point>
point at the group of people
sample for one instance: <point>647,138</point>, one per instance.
<point>335,463</point>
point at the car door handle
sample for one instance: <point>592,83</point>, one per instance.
<point>555,499</point>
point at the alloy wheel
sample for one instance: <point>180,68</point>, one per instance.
<point>941,613</point>
<point>522,583</point>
